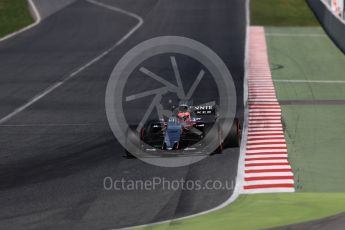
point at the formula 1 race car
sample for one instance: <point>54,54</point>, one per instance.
<point>184,132</point>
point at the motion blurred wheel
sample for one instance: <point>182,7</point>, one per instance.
<point>235,135</point>
<point>129,155</point>
<point>220,148</point>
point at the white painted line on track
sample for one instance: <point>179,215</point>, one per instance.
<point>265,105</point>
<point>268,151</point>
<point>270,167</point>
<point>266,132</point>
<point>268,126</point>
<point>311,81</point>
<point>263,91</point>
<point>267,161</point>
<point>266,156</point>
<point>258,154</point>
<point>270,129</point>
<point>274,106</point>
<point>262,96</point>
<point>262,135</point>
<point>257,94</point>
<point>83,67</point>
<point>267,140</point>
<point>262,100</point>
<point>265,182</point>
<point>268,190</point>
<point>264,113</point>
<point>260,145</point>
<point>269,174</point>
<point>263,122</point>
<point>265,137</point>
<point>256,90</point>
<point>295,35</point>
<point>264,108</point>
<point>261,79</point>
<point>265,118</point>
<point>260,84</point>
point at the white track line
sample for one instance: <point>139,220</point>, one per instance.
<point>248,175</point>
<point>269,129</point>
<point>295,35</point>
<point>311,81</point>
<point>268,151</point>
<point>264,156</point>
<point>265,118</point>
<point>268,140</point>
<point>264,182</point>
<point>253,115</point>
<point>266,146</point>
<point>266,126</point>
<point>266,161</point>
<point>269,167</point>
<point>81,68</point>
<point>264,110</point>
<point>268,132</point>
<point>37,21</point>
<point>269,190</point>
<point>266,136</point>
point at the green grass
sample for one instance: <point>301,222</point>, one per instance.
<point>304,57</point>
<point>14,15</point>
<point>282,13</point>
<point>314,133</point>
<point>265,211</point>
<point>315,138</point>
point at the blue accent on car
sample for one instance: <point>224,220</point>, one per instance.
<point>172,134</point>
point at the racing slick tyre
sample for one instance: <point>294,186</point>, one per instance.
<point>234,137</point>
<point>129,155</point>
<point>220,148</point>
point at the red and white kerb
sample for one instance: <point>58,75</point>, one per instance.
<point>266,166</point>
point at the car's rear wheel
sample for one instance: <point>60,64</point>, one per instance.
<point>220,147</point>
<point>233,139</point>
<point>128,154</point>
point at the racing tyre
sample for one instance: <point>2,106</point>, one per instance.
<point>129,155</point>
<point>220,148</point>
<point>234,137</point>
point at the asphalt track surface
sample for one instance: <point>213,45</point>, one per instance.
<point>56,153</point>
